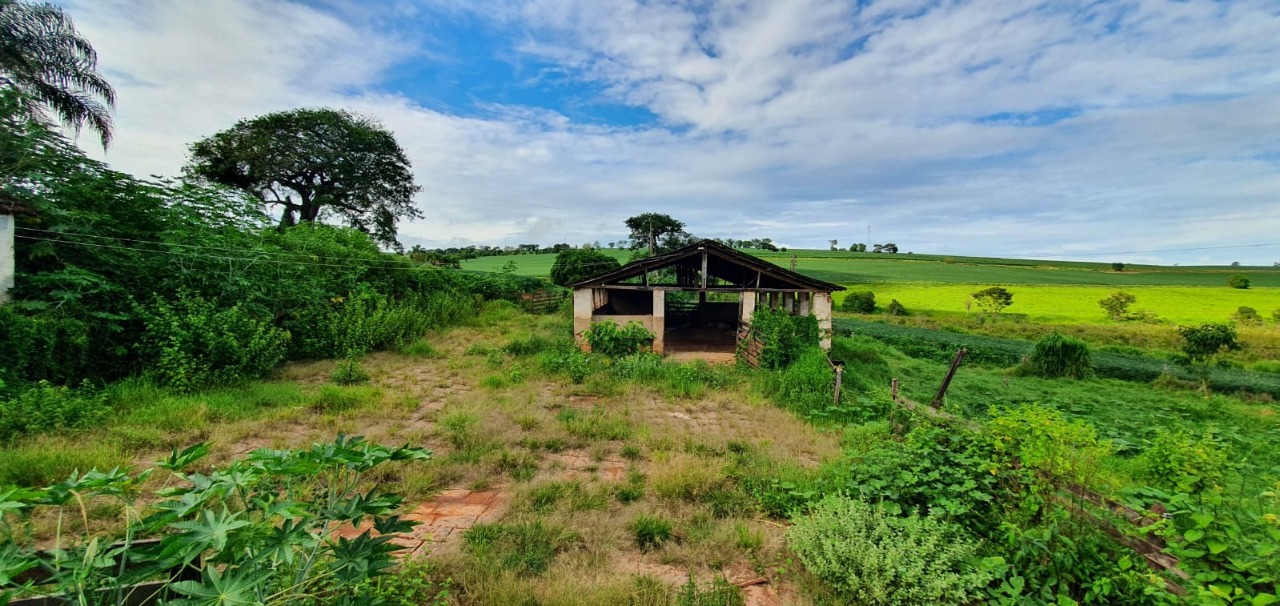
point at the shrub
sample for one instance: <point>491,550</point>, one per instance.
<point>863,302</point>
<point>1117,266</point>
<point>650,532</point>
<point>1240,281</point>
<point>595,424</point>
<point>870,557</point>
<point>577,264</point>
<point>44,407</point>
<point>993,299</point>
<point>191,343</point>
<point>421,349</point>
<point>607,338</point>
<point>349,372</point>
<point>895,308</point>
<point>1179,461</point>
<point>1117,305</point>
<point>784,337</point>
<point>1246,315</point>
<point>1203,342</point>
<point>1058,356</point>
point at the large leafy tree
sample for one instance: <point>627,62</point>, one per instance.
<point>657,231</point>
<point>53,67</point>
<point>313,162</point>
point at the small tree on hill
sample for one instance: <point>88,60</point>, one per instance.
<point>1246,315</point>
<point>1117,305</point>
<point>1240,281</point>
<point>1117,266</point>
<point>993,299</point>
<point>576,265</point>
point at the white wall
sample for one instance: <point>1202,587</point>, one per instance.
<point>6,257</point>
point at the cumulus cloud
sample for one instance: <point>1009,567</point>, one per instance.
<point>1020,127</point>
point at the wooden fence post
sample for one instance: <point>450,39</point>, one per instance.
<point>946,381</point>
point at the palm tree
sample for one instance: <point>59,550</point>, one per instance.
<point>44,59</point>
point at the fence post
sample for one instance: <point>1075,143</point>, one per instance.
<point>946,382</point>
<point>839,382</point>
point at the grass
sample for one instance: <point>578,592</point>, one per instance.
<point>1078,303</point>
<point>530,265</point>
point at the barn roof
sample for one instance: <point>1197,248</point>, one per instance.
<point>726,270</point>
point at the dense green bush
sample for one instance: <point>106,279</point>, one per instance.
<point>1207,340</point>
<point>577,264</point>
<point>1238,281</point>
<point>191,343</point>
<point>871,557</point>
<point>609,339</point>
<point>1246,315</point>
<point>1057,356</point>
<point>785,337</point>
<point>862,302</point>
<point>44,407</point>
<point>944,470</point>
<point>1181,462</point>
<point>41,347</point>
<point>895,309</point>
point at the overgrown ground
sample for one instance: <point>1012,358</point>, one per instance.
<point>609,491</point>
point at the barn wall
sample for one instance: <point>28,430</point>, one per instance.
<point>822,310</point>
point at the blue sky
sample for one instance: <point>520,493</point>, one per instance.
<point>1020,128</point>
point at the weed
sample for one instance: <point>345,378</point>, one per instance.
<point>651,531</point>
<point>686,478</point>
<point>421,349</point>
<point>631,452</point>
<point>595,424</point>
<point>720,593</point>
<point>749,540</point>
<point>333,399</point>
<point>524,548</point>
<point>349,372</point>
<point>46,460</point>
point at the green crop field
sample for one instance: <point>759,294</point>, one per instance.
<point>1079,303</point>
<point>530,265</point>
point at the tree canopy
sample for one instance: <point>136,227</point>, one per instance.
<point>313,162</point>
<point>657,231</point>
<point>577,264</point>
<point>53,67</point>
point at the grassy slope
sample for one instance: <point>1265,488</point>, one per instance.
<point>1129,414</point>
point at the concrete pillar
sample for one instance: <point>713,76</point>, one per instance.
<point>822,309</point>
<point>806,303</point>
<point>583,306</point>
<point>7,266</point>
<point>789,303</point>
<point>659,320</point>
<point>747,308</point>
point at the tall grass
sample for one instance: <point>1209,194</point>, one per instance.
<point>1058,356</point>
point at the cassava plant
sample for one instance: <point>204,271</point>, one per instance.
<point>262,530</point>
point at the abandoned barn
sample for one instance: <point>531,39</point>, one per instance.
<point>698,299</point>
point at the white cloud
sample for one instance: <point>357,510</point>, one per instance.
<point>801,120</point>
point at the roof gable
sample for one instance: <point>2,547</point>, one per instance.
<point>726,269</point>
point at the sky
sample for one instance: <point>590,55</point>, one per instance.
<point>1136,131</point>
